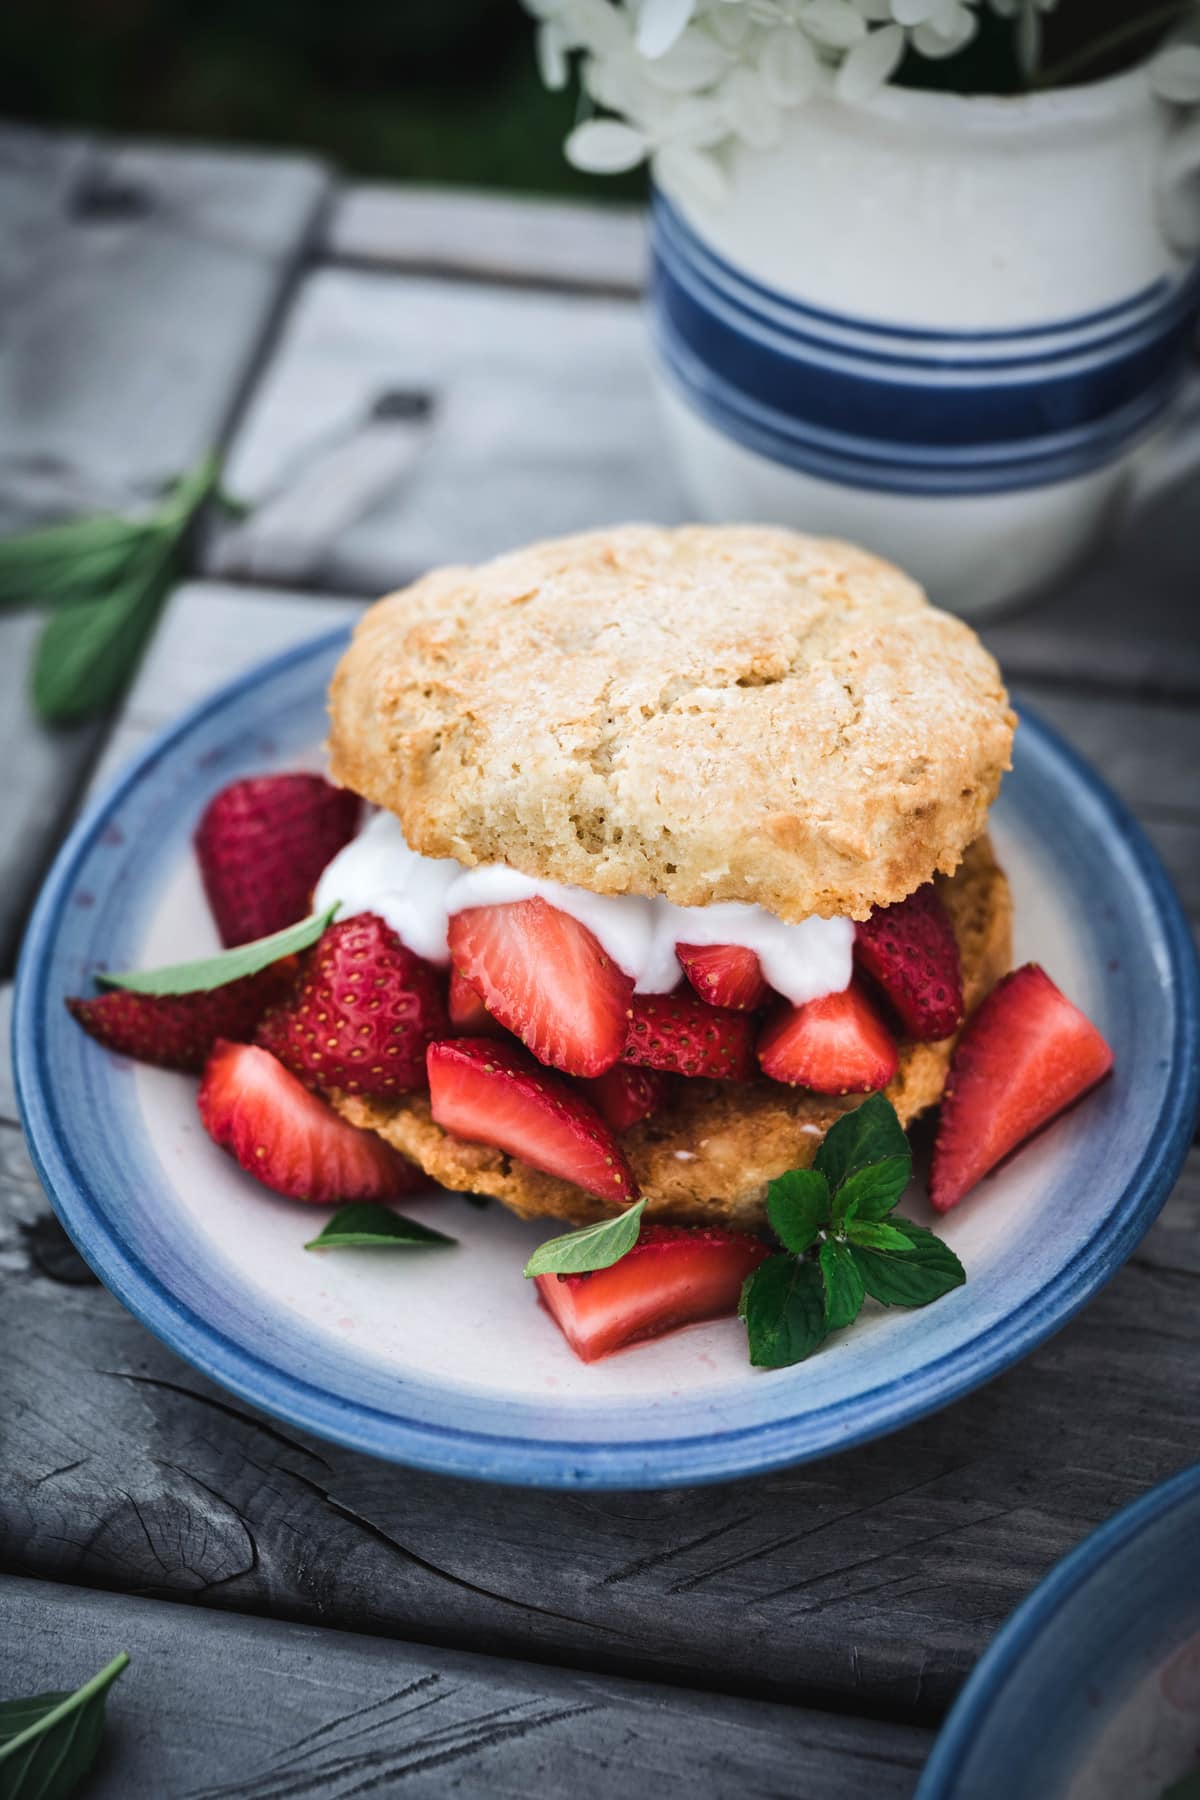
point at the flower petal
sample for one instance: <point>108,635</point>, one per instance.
<point>749,110</point>
<point>551,45</point>
<point>870,64</point>
<point>694,61</point>
<point>834,23</point>
<point>1175,74</point>
<point>691,174</point>
<point>789,67</point>
<point>605,147</point>
<point>660,23</point>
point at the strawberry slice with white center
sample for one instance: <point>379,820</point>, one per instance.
<point>496,1094</point>
<point>1026,1055</point>
<point>468,1015</point>
<point>681,1032</point>
<point>911,951</point>
<point>672,1277</point>
<point>547,979</point>
<point>835,1045</point>
<point>724,975</point>
<point>624,1096</point>
<point>292,1141</point>
<point>262,844</point>
<point>364,1010</point>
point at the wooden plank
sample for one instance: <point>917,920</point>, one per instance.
<point>872,1580</point>
<point>488,237</point>
<point>218,1705</point>
<point>137,288</point>
<point>459,420</point>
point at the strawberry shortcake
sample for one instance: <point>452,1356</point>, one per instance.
<point>694,822</point>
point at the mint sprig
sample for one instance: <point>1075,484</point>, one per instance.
<point>49,1742</point>
<point>106,577</point>
<point>596,1246</point>
<point>228,965</point>
<point>363,1227</point>
<point>841,1242</point>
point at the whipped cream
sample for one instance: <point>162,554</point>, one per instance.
<point>418,895</point>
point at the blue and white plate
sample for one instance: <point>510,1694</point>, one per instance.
<point>1092,1689</point>
<point>446,1360</point>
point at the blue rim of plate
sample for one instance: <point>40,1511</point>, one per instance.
<point>1012,1644</point>
<point>547,1462</point>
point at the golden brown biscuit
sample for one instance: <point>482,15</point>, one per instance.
<point>711,713</point>
<point>708,1155</point>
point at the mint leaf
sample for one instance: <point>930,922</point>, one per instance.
<point>798,1206</point>
<point>374,1227</point>
<point>48,1743</point>
<point>870,1134</point>
<point>109,576</point>
<point>924,1271</point>
<point>228,965</point>
<point>872,1192</point>
<point>783,1304</point>
<point>844,1289</point>
<point>596,1246</point>
<point>874,1236</point>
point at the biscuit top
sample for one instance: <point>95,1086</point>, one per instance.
<point>709,713</point>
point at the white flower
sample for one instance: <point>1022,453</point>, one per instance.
<point>1175,74</point>
<point>835,23</point>
<point>606,147</point>
<point>661,23</point>
<point>691,172</point>
<point>694,61</point>
<point>683,79</point>
<point>552,45</point>
<point>869,65</point>
<point>789,66</point>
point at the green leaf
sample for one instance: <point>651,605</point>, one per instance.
<point>596,1246</point>
<point>783,1304</point>
<point>66,562</point>
<point>872,1192</point>
<point>922,1272</point>
<point>88,647</point>
<point>228,965</point>
<point>370,1227</point>
<point>110,577</point>
<point>798,1206</point>
<point>48,1743</point>
<point>874,1236</point>
<point>870,1134</point>
<point>844,1290</point>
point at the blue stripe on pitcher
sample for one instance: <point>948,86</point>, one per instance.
<point>888,407</point>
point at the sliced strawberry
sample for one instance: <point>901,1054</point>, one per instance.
<point>624,1096</point>
<point>262,843</point>
<point>547,979</point>
<point>671,1277</point>
<point>1025,1055</point>
<point>496,1094</point>
<point>836,1045</point>
<point>362,1014</point>
<point>177,1031</point>
<point>724,975</point>
<point>468,1014</point>
<point>292,1141</point>
<point>682,1032</point>
<point>911,951</point>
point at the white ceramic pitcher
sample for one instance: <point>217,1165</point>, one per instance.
<point>943,326</point>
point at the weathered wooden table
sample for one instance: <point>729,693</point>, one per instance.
<point>407,377</point>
